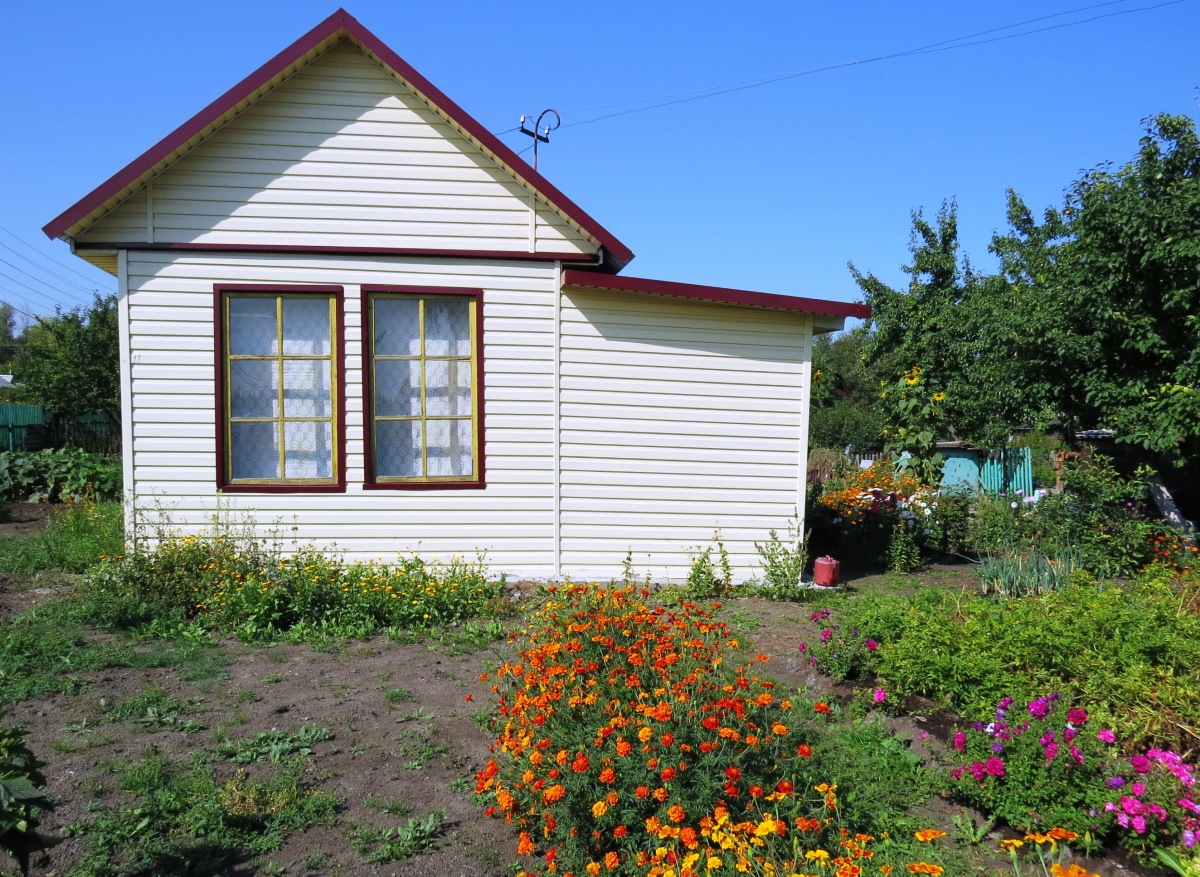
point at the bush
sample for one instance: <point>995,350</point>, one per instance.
<point>1131,653</point>
<point>248,587</point>
<point>58,476</point>
<point>21,796</point>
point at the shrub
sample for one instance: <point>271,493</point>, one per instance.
<point>251,588</point>
<point>21,796</point>
<point>58,476</point>
<point>783,561</point>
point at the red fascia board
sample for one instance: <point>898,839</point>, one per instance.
<point>338,24</point>
<point>775,301</point>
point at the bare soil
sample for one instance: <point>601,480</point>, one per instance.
<point>283,687</point>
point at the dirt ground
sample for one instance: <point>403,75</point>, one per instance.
<point>284,687</point>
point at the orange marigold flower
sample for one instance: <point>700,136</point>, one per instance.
<point>925,868</point>
<point>927,834</point>
<point>611,860</point>
<point>804,750</point>
<point>661,794</point>
<point>779,729</point>
<point>1057,870</point>
<point>689,838</point>
<point>642,792</point>
<point>525,845</point>
<point>1062,834</point>
<point>710,723</point>
<point>804,823</point>
<point>608,775</point>
<point>593,868</point>
<point>676,813</point>
<point>580,764</point>
<point>733,773</point>
<point>611,799</point>
<point>1011,844</point>
<point>645,734</point>
<point>620,831</point>
<point>762,658</point>
<point>624,747</point>
<point>668,774</point>
<point>599,809</point>
<point>821,707</point>
<point>552,794</point>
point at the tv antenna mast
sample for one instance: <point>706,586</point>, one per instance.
<point>543,135</point>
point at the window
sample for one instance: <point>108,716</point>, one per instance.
<point>422,362</point>
<point>280,396</point>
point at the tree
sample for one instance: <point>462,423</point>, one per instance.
<point>956,328</point>
<point>844,394</point>
<point>1114,280</point>
<point>70,362</point>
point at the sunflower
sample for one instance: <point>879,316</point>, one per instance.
<point>939,397</point>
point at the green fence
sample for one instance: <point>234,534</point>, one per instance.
<point>32,428</point>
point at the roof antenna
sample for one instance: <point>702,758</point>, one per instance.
<point>542,136</point>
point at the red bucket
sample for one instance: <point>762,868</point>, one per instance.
<point>825,571</point>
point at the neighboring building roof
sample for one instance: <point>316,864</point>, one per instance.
<point>594,280</point>
<point>334,29</point>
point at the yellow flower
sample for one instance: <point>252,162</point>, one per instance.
<point>939,397</point>
<point>599,809</point>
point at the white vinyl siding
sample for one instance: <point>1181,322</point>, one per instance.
<point>173,459</point>
<point>340,155</point>
<point>679,419</point>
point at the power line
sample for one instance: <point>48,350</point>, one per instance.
<point>44,256</point>
<point>37,292</point>
<point>66,280</point>
<point>17,309</point>
<point>43,282</point>
<point>932,48</point>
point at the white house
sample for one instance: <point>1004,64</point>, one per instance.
<point>350,311</point>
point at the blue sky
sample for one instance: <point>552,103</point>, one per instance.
<point>772,188</point>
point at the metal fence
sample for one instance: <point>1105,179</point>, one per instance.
<point>32,428</point>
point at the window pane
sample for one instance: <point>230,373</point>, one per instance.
<point>254,388</point>
<point>447,326</point>
<point>254,451</point>
<point>397,326</point>
<point>447,388</point>
<point>397,387</point>
<point>308,450</point>
<point>398,448</point>
<point>253,330</point>
<point>306,326</point>
<point>306,388</point>
<point>449,447</point>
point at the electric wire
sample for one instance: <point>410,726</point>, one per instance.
<point>36,292</point>
<point>45,270</point>
<point>931,48</point>
<point>44,256</point>
<point>75,295</point>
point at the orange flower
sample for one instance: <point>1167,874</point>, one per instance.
<point>620,831</point>
<point>611,799</point>
<point>925,868</point>
<point>1058,870</point>
<point>624,747</point>
<point>821,707</point>
<point>608,775</point>
<point>927,834</point>
<point>593,868</point>
<point>645,734</point>
<point>676,813</point>
<point>668,774</point>
<point>779,729</point>
<point>525,845</point>
<point>1062,834</point>
<point>804,750</point>
<point>599,809</point>
<point>642,792</point>
<point>689,838</point>
<point>611,860</point>
<point>733,773</point>
<point>1011,844</point>
<point>580,764</point>
<point>552,794</point>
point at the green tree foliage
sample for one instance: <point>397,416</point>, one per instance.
<point>70,362</point>
<point>945,326</point>
<point>1092,321</point>
<point>844,394</point>
<point>1113,280</point>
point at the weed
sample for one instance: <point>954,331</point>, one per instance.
<point>148,708</point>
<point>72,540</point>
<point>275,746</point>
<point>461,784</point>
<point>417,715</point>
<point>743,622</point>
<point>314,860</point>
<point>399,843</point>
<point>424,754</point>
<point>272,678</point>
<point>783,561</point>
<point>394,696</point>
<point>390,806</point>
<point>708,577</point>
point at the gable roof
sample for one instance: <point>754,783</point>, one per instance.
<point>584,279</point>
<point>337,27</point>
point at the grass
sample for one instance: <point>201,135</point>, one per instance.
<point>74,538</point>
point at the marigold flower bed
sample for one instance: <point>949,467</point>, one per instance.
<point>636,741</point>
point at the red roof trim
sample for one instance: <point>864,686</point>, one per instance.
<point>595,280</point>
<point>339,24</point>
<point>300,249</point>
